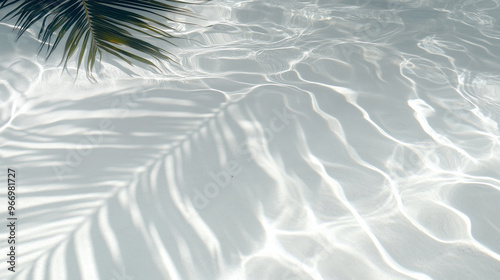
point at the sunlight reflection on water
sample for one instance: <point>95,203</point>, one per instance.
<point>366,135</point>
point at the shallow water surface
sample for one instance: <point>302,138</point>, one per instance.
<point>294,140</point>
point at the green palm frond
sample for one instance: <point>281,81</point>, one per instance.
<point>91,27</point>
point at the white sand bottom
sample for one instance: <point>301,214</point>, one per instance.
<point>294,140</point>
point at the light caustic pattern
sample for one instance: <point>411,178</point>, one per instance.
<point>293,140</point>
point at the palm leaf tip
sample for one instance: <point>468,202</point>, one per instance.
<point>122,28</point>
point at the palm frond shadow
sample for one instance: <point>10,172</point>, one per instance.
<point>126,205</point>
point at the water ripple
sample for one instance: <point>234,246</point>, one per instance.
<point>362,139</point>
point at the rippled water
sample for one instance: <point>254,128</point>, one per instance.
<point>294,140</point>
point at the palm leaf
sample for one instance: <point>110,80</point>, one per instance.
<point>92,27</point>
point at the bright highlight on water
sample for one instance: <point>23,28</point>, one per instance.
<point>293,139</point>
